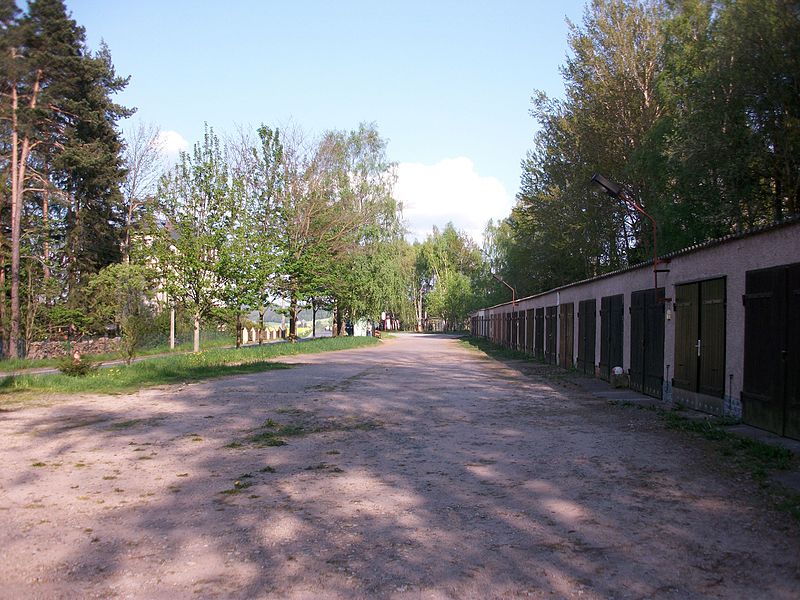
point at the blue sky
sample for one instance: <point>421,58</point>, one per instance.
<point>447,83</point>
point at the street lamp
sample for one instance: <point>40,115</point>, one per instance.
<point>513,291</point>
<point>620,193</point>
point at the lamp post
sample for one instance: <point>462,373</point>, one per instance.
<point>620,193</point>
<point>513,291</point>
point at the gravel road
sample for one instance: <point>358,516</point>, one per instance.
<point>416,469</point>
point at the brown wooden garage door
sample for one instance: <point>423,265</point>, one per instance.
<point>551,328</point>
<point>538,345</point>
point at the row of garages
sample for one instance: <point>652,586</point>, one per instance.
<point>720,334</point>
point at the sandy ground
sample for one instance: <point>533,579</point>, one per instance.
<point>425,471</point>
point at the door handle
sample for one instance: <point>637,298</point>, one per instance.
<point>698,345</point>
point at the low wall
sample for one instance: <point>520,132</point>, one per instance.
<point>59,349</point>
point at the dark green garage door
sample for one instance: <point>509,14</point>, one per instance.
<point>647,342</point>
<point>700,337</point>
<point>586,335</point>
<point>612,322</point>
<point>770,390</point>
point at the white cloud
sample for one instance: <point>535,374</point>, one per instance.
<point>450,190</point>
<point>171,143</point>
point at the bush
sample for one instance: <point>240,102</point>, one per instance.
<point>78,367</point>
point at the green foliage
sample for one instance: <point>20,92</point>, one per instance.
<point>120,295</point>
<point>692,105</point>
<point>77,368</point>
<point>62,316</point>
<point>193,231</point>
<point>450,277</point>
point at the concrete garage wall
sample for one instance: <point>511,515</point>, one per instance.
<point>729,258</point>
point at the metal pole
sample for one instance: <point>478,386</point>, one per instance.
<point>513,291</point>
<point>631,202</point>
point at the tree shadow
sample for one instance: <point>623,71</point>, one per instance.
<point>472,480</point>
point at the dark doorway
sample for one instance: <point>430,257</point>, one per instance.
<point>566,330</point>
<point>587,325</point>
<point>612,323</point>
<point>771,386</point>
<point>551,326</point>
<point>538,345</point>
<point>647,342</point>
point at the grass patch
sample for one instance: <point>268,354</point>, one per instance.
<point>754,454</point>
<point>491,349</point>
<point>127,424</point>
<point>273,433</point>
<point>21,364</point>
<point>239,486</point>
<point>175,369</point>
<point>266,438</point>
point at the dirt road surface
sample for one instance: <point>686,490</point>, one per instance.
<point>418,469</point>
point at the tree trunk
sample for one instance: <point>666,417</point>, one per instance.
<point>172,328</point>
<point>238,330</point>
<point>418,306</point>
<point>261,321</point>
<point>17,181</point>
<point>293,319</point>
<point>46,227</point>
<point>3,323</point>
<point>338,321</point>
<point>20,150</point>
<point>196,332</point>
<point>313,318</point>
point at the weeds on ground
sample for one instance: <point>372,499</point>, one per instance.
<point>491,349</point>
<point>273,433</point>
<point>754,457</point>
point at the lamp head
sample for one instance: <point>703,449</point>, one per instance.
<point>605,185</point>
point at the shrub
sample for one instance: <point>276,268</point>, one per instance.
<point>78,367</point>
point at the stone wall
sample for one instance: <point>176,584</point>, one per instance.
<point>58,349</point>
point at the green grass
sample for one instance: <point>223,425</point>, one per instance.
<point>21,364</point>
<point>748,456</point>
<point>755,455</point>
<point>493,350</point>
<point>174,369</point>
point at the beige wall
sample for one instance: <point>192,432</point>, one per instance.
<point>729,259</point>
